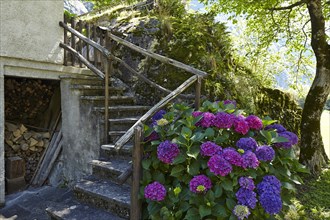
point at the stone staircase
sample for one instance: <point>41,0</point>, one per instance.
<point>98,196</point>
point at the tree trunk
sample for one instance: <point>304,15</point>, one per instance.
<point>312,151</point>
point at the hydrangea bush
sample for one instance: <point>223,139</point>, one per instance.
<point>217,163</point>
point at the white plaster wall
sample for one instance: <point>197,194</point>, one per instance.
<point>29,29</point>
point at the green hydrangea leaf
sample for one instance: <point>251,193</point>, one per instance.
<point>177,170</point>
<point>204,211</point>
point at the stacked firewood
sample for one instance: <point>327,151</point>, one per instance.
<point>27,144</point>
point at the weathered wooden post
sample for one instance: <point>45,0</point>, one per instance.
<point>198,92</point>
<point>137,154</point>
<point>73,40</point>
<point>65,41</point>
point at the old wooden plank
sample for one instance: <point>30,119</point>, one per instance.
<point>119,144</point>
<point>73,39</point>
<point>88,36</point>
<point>161,58</point>
<point>198,93</point>
<point>80,43</point>
<point>79,56</point>
<point>65,41</point>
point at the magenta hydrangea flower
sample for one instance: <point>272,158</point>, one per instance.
<point>209,149</point>
<point>167,151</point>
<point>246,197</point>
<point>278,127</point>
<point>200,184</point>
<point>195,115</point>
<point>240,125</point>
<point>265,153</point>
<point>247,144</point>
<point>292,139</point>
<point>219,165</point>
<point>232,156</point>
<point>223,120</point>
<point>207,120</point>
<point>246,183</point>
<point>227,102</point>
<point>250,160</point>
<point>155,191</point>
<point>254,122</point>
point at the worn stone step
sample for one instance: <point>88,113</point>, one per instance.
<point>86,79</point>
<point>117,124</point>
<point>96,90</point>
<point>122,111</point>
<point>108,151</point>
<point>115,135</point>
<point>109,169</point>
<point>114,100</point>
<point>73,210</point>
<point>104,194</point>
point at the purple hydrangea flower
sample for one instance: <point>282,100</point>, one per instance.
<point>207,120</point>
<point>195,115</point>
<point>153,136</point>
<point>292,139</point>
<point>158,115</point>
<point>200,184</point>
<point>155,191</point>
<point>219,165</point>
<point>232,156</point>
<point>246,183</point>
<point>271,202</point>
<point>250,160</point>
<point>240,125</point>
<point>241,212</point>
<point>223,120</point>
<point>209,149</point>
<point>269,183</point>
<point>265,153</point>
<point>247,144</point>
<point>277,127</point>
<point>246,197</point>
<point>254,122</point>
<point>227,102</point>
<point>167,151</point>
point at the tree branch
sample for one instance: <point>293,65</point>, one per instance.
<point>289,6</point>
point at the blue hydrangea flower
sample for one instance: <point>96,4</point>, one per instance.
<point>265,153</point>
<point>269,183</point>
<point>250,160</point>
<point>247,144</point>
<point>167,151</point>
<point>271,202</point>
<point>155,191</point>
<point>232,156</point>
<point>159,115</point>
<point>278,127</point>
<point>246,183</point>
<point>209,149</point>
<point>219,165</point>
<point>246,197</point>
<point>292,139</point>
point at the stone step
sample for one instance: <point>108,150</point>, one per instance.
<point>73,210</point>
<point>86,80</point>
<point>109,169</point>
<point>114,100</point>
<point>115,135</point>
<point>122,111</point>
<point>96,90</point>
<point>117,124</point>
<point>108,151</point>
<point>104,194</point>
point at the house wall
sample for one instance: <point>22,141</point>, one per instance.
<point>30,30</point>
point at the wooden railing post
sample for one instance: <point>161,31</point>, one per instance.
<point>95,51</point>
<point>65,41</point>
<point>80,43</point>
<point>88,35</point>
<point>198,92</point>
<point>73,40</point>
<point>106,101</point>
<point>136,210</point>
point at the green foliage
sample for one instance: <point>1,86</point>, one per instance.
<point>218,202</point>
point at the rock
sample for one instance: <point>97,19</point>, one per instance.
<point>75,7</point>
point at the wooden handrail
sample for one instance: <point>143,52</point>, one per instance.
<point>153,55</point>
<point>103,50</point>
<point>123,139</point>
<point>82,59</point>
